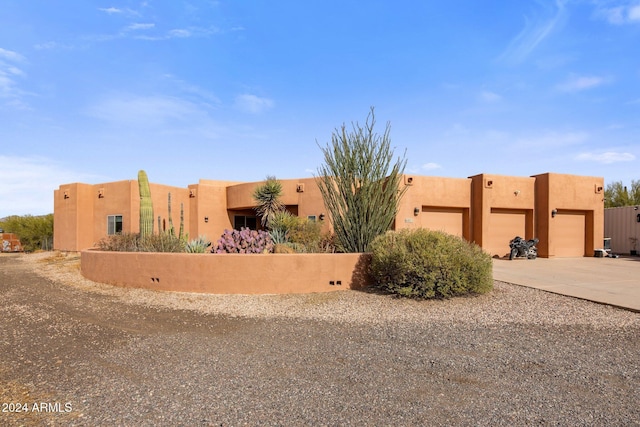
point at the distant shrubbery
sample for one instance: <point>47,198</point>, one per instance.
<point>429,264</point>
<point>34,232</point>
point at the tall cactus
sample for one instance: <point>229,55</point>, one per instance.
<point>171,230</point>
<point>146,206</point>
<point>181,233</point>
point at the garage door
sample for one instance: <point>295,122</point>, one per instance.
<point>449,220</point>
<point>504,225</point>
<point>569,231</point>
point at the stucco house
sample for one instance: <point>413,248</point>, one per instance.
<point>564,211</point>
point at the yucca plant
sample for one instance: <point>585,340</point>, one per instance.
<point>267,197</point>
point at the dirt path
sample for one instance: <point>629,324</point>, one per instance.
<point>86,358</point>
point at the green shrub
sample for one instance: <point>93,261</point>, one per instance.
<point>300,234</point>
<point>429,264</point>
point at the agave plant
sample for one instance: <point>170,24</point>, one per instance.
<point>278,236</point>
<point>198,245</point>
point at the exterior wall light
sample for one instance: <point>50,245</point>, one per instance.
<point>321,216</point>
<point>416,211</point>
<point>206,219</point>
<point>554,213</point>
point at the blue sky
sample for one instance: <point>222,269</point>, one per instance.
<point>93,91</point>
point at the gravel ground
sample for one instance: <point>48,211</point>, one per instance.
<point>81,353</point>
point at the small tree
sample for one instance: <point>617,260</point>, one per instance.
<point>360,185</point>
<point>267,197</point>
<point>616,194</point>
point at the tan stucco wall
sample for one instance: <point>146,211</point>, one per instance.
<point>227,273</point>
<point>500,195</point>
<point>73,219</point>
<point>569,195</point>
<point>425,192</point>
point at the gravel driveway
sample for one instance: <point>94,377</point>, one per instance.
<point>79,353</point>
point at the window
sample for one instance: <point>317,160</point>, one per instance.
<point>311,218</point>
<point>114,224</point>
<point>240,221</point>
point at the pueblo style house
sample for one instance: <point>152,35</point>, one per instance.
<point>566,212</point>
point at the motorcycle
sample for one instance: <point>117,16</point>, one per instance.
<point>521,248</point>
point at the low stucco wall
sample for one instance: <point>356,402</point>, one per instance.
<point>228,273</point>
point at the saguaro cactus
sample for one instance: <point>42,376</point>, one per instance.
<point>171,230</point>
<point>181,233</point>
<point>146,206</point>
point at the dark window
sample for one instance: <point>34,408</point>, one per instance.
<point>240,221</point>
<point>114,224</point>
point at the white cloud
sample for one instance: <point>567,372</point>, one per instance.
<point>11,55</point>
<point>110,10</point>
<point>9,90</point>
<point>488,96</point>
<point>606,157</point>
<point>431,166</point>
<point>620,15</point>
<point>535,31</point>
<point>141,111</point>
<point>180,33</point>
<point>553,140</point>
<point>579,83</point>
<point>176,33</point>
<point>139,26</point>
<point>27,186</point>
<point>253,104</point>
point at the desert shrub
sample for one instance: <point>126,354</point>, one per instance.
<point>133,242</point>
<point>300,234</point>
<point>245,241</point>
<point>429,264</point>
<point>306,235</point>
<point>121,242</point>
<point>162,242</point>
<point>283,248</point>
<point>198,245</point>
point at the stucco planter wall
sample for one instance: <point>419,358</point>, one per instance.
<point>227,273</point>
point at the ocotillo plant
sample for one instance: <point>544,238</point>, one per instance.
<point>146,206</point>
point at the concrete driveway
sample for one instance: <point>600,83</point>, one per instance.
<point>613,281</point>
